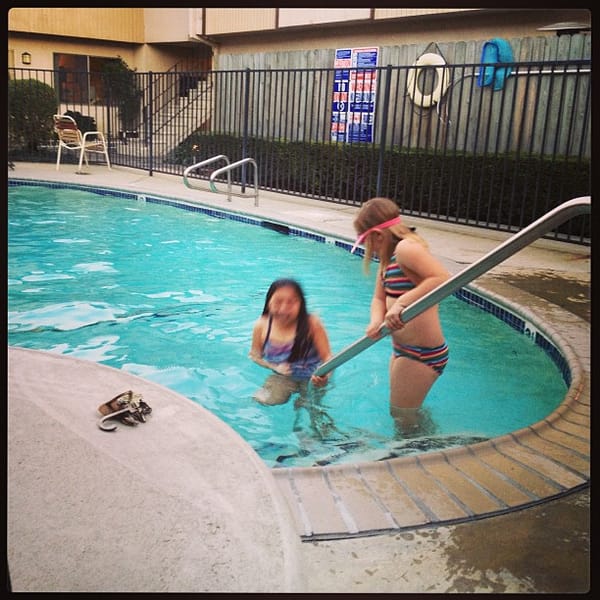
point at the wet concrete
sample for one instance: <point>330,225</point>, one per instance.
<point>545,549</point>
<point>516,544</point>
<point>573,295</point>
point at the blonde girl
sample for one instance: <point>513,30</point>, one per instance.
<point>407,271</point>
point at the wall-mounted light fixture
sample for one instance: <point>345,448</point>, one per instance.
<point>26,58</point>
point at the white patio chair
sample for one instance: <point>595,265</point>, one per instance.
<point>71,138</point>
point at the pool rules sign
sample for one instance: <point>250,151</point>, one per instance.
<point>354,92</point>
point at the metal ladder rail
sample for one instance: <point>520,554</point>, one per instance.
<point>538,228</point>
<point>227,169</point>
<point>211,187</point>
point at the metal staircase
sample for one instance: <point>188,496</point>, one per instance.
<point>179,117</point>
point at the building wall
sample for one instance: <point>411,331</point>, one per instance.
<point>158,38</point>
<point>42,50</point>
<point>235,20</point>
<point>152,39</point>
<point>383,30</point>
<point>394,13</point>
<point>290,17</point>
<point>228,20</point>
<point>115,24</point>
<point>169,24</point>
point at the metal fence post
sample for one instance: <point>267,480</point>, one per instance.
<point>149,125</point>
<point>384,117</point>
<point>245,125</point>
<point>108,121</point>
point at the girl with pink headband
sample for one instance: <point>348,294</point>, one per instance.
<point>407,271</point>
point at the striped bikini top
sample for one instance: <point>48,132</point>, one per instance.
<point>280,352</point>
<point>395,282</point>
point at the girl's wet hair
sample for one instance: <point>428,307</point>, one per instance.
<point>376,211</point>
<point>302,341</point>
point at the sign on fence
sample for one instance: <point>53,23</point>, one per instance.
<point>354,92</point>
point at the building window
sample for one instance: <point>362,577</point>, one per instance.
<point>80,78</point>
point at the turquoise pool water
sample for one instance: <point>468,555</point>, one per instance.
<point>171,295</point>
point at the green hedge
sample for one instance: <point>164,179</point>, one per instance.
<point>503,189</point>
<point>31,105</point>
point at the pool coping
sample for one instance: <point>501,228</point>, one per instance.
<point>536,464</point>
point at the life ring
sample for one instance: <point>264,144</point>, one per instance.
<point>443,80</point>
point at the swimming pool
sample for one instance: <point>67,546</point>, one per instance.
<point>173,298</point>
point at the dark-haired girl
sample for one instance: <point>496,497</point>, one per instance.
<point>289,341</point>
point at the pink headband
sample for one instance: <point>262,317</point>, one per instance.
<point>363,235</point>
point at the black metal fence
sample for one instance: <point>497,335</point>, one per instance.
<point>494,146</point>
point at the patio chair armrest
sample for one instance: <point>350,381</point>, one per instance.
<point>98,134</point>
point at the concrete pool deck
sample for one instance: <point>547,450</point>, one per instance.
<point>181,503</point>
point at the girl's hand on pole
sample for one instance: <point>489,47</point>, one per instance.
<point>374,330</point>
<point>319,380</point>
<point>393,317</point>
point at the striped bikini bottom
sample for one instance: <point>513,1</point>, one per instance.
<point>436,358</point>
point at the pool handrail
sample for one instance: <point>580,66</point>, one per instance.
<point>227,169</point>
<point>560,214</point>
<point>203,163</point>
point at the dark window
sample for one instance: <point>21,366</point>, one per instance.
<point>97,89</point>
<point>80,78</point>
<point>72,77</point>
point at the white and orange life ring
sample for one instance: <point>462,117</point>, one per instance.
<point>443,80</point>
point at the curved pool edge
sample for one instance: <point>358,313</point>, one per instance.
<point>146,508</point>
<point>512,472</point>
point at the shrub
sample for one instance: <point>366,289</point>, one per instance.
<point>31,105</point>
<point>122,83</point>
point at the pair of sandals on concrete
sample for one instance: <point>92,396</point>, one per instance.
<point>128,407</point>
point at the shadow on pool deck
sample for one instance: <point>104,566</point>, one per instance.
<point>182,504</point>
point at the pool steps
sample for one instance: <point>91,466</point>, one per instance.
<point>225,170</point>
